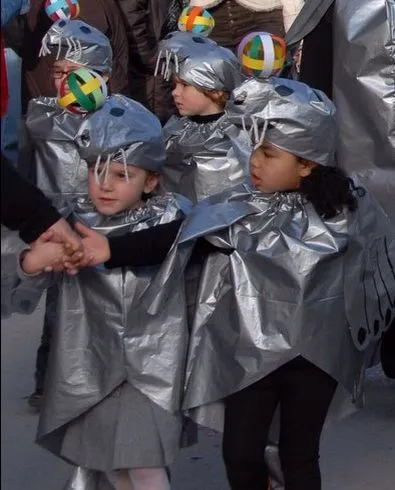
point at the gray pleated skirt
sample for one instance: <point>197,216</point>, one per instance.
<point>125,430</point>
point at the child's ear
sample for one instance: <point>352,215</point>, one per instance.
<point>305,167</point>
<point>151,182</point>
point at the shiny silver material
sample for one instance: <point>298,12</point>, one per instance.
<point>84,479</point>
<point>198,61</point>
<point>58,167</point>
<point>203,158</point>
<point>364,94</point>
<point>92,357</point>
<point>78,42</point>
<point>122,124</point>
<point>289,288</point>
<point>288,114</point>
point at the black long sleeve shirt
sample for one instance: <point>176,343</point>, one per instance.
<point>23,206</point>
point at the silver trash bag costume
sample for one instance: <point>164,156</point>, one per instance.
<point>58,168</point>
<point>113,387</point>
<point>200,158</point>
<point>293,283</point>
<point>363,81</point>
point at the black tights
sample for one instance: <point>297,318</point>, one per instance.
<point>303,393</point>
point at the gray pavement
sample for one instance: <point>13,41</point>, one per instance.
<point>358,453</point>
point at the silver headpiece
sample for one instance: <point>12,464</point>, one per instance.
<point>288,114</point>
<point>198,61</point>
<point>124,131</point>
<point>78,42</point>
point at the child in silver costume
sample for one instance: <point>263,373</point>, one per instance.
<point>279,322</point>
<point>58,169</point>
<point>112,394</point>
<point>200,159</point>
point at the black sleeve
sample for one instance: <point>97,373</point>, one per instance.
<point>23,206</point>
<point>142,248</point>
<point>150,247</point>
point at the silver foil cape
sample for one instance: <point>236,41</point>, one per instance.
<point>364,81</point>
<point>91,356</point>
<point>203,158</point>
<point>78,42</point>
<point>290,287</point>
<point>288,114</point>
<point>198,61</point>
<point>123,124</point>
<point>59,170</point>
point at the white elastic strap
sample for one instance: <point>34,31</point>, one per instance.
<point>96,171</point>
<point>263,134</point>
<point>177,64</point>
<point>59,48</point>
<point>44,50</point>
<point>167,73</point>
<point>157,63</point>
<point>254,129</point>
<point>125,165</point>
<point>69,47</point>
<point>79,45</point>
<point>106,168</point>
<point>243,124</point>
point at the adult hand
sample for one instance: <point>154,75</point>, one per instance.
<point>60,232</point>
<point>96,247</point>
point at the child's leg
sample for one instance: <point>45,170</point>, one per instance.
<point>248,416</point>
<point>122,480</point>
<point>306,393</point>
<point>149,479</point>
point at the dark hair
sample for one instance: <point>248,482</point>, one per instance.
<point>329,190</point>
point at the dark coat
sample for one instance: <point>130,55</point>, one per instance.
<point>146,22</point>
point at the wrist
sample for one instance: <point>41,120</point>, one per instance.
<point>26,266</point>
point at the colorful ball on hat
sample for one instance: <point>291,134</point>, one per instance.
<point>62,9</point>
<point>196,20</point>
<point>82,91</point>
<point>261,54</point>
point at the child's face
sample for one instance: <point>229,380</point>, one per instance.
<point>276,170</point>
<point>115,194</point>
<point>192,102</point>
<point>59,71</point>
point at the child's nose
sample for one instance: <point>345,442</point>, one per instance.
<point>106,183</point>
<point>176,90</point>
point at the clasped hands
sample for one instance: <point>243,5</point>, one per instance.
<point>61,248</point>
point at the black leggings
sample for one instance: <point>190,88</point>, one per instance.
<point>303,393</point>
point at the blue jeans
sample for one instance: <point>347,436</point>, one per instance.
<point>10,8</point>
<point>10,121</point>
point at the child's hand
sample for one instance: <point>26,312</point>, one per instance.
<point>96,247</point>
<point>43,256</point>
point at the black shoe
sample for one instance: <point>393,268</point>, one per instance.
<point>35,400</point>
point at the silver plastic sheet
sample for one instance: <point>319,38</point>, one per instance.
<point>90,357</point>
<point>282,292</point>
<point>288,114</point>
<point>364,93</point>
<point>201,159</point>
<point>78,42</point>
<point>198,61</point>
<point>59,170</point>
<point>57,167</point>
<point>122,124</point>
